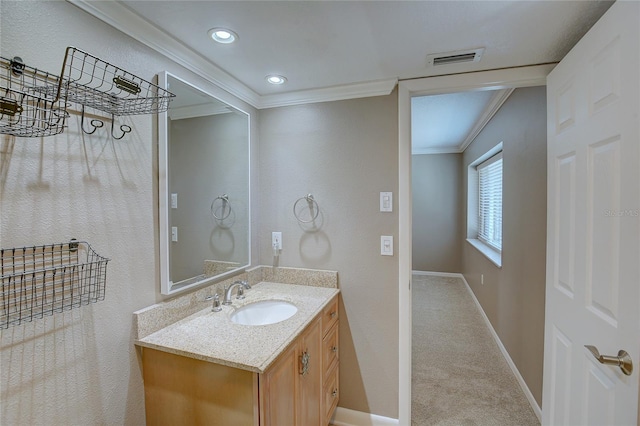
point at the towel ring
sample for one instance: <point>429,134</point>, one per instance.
<point>224,198</point>
<point>312,203</point>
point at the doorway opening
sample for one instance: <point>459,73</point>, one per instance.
<point>481,81</point>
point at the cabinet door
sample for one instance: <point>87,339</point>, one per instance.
<point>278,390</point>
<point>310,375</point>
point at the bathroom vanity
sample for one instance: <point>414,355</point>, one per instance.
<point>207,369</point>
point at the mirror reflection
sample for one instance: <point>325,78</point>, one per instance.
<point>207,187</point>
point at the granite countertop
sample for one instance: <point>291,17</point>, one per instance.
<point>211,336</point>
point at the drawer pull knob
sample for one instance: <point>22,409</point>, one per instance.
<point>333,314</point>
<point>334,393</point>
<point>334,349</point>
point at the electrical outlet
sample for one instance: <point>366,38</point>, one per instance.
<point>174,233</point>
<point>276,240</point>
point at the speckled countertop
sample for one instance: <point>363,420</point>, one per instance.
<point>211,336</point>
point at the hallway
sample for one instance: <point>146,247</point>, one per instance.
<point>460,377</point>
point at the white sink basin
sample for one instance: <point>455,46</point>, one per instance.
<point>264,312</point>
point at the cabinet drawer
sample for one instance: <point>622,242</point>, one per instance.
<point>330,350</point>
<point>331,393</point>
<point>329,315</point>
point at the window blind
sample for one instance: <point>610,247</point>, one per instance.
<point>490,202</point>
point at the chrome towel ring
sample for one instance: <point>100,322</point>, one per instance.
<point>314,209</point>
<point>224,200</point>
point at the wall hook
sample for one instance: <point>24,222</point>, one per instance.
<point>95,123</point>
<point>123,128</point>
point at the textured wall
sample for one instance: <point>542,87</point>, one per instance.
<point>437,234</point>
<point>344,153</point>
<point>80,367</point>
<point>513,296</point>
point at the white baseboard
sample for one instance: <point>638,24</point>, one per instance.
<point>514,369</point>
<point>438,274</point>
<point>346,417</point>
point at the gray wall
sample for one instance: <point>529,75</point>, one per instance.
<point>437,234</point>
<point>513,296</point>
<point>344,153</point>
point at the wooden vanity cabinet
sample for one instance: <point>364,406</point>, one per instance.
<point>311,398</point>
<point>187,391</point>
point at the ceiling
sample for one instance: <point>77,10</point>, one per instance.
<point>332,50</point>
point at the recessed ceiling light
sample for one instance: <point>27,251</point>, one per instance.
<point>223,35</point>
<point>276,79</point>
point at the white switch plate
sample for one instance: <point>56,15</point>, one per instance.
<point>174,233</point>
<point>174,200</point>
<point>386,245</point>
<point>276,240</point>
<point>386,201</point>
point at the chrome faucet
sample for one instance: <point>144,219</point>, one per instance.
<point>242,286</point>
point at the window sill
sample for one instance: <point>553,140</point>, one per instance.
<point>488,252</point>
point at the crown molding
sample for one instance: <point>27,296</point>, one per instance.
<point>124,19</point>
<point>326,94</point>
<point>490,110</point>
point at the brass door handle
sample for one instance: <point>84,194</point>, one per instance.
<point>623,360</point>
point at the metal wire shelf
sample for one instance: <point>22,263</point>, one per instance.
<point>34,103</point>
<point>25,108</point>
<point>92,82</point>
<point>43,280</point>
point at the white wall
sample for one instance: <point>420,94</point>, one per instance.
<point>81,367</point>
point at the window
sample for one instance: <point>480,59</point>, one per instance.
<point>490,202</point>
<point>484,204</point>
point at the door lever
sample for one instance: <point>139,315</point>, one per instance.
<point>623,360</point>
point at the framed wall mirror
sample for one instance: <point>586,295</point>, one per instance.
<point>204,188</point>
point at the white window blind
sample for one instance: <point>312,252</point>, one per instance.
<point>490,201</point>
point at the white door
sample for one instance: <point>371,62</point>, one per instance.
<point>593,256</point>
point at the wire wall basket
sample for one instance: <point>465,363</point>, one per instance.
<point>43,280</point>
<point>34,103</point>
<point>29,106</point>
<point>92,82</point>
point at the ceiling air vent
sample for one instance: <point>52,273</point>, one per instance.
<point>457,57</point>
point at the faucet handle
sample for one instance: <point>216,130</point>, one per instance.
<point>240,293</point>
<point>244,283</point>
<point>216,303</point>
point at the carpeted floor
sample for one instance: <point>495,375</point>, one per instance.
<point>460,377</point>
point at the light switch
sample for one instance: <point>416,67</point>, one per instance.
<point>174,201</point>
<point>386,245</point>
<point>174,233</point>
<point>386,201</point>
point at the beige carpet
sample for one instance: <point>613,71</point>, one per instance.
<point>460,377</point>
